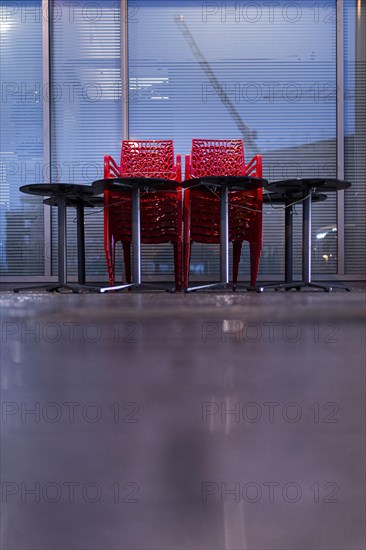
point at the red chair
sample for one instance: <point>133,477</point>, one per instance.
<point>217,157</point>
<point>161,211</point>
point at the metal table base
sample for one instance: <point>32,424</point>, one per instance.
<point>62,252</point>
<point>224,246</point>
<point>306,257</point>
<point>224,252</point>
<point>136,250</point>
<point>306,282</point>
<point>61,199</point>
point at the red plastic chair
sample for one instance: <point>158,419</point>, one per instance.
<point>217,157</point>
<point>161,211</point>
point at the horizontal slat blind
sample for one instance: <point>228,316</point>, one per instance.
<point>355,140</point>
<point>276,64</point>
<point>86,111</point>
<point>21,138</point>
<point>274,68</point>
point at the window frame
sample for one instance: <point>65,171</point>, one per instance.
<point>124,5</point>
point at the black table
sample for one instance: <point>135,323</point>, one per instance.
<point>64,195</point>
<point>135,185</point>
<point>289,200</point>
<point>307,187</point>
<point>225,184</point>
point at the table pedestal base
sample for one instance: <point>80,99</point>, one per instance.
<point>226,181</point>
<point>212,285</point>
<point>57,287</point>
<point>135,286</point>
<point>226,286</point>
<point>308,187</point>
<point>302,284</point>
<point>249,288</point>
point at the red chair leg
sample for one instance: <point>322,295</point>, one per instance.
<point>236,260</point>
<point>110,257</point>
<point>186,263</point>
<point>255,255</point>
<point>127,260</point>
<point>109,267</point>
<point>178,265</point>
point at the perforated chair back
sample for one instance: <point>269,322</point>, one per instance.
<point>149,159</point>
<point>217,157</point>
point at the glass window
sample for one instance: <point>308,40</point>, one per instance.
<point>258,71</point>
<point>21,138</point>
<point>86,110</point>
<point>355,136</point>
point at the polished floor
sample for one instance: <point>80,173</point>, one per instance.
<point>183,422</point>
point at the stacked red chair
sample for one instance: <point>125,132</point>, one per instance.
<point>160,211</point>
<point>219,157</point>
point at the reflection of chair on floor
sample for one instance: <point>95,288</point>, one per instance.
<point>161,211</point>
<point>218,157</point>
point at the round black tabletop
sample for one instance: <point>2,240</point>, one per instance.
<point>128,183</point>
<point>71,190</point>
<point>306,184</point>
<point>236,183</point>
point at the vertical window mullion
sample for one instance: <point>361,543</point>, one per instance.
<point>46,130</point>
<point>340,134</point>
<point>125,86</point>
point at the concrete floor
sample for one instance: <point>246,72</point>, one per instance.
<point>190,422</point>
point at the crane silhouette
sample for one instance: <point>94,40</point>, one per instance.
<point>247,133</point>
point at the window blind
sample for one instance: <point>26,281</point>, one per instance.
<point>21,138</point>
<point>355,136</point>
<point>263,73</point>
<point>276,64</point>
<point>86,111</point>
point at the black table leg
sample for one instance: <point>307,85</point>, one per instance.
<point>288,249</point>
<point>136,236</point>
<point>308,187</point>
<point>306,254</point>
<point>80,243</point>
<point>288,240</point>
<point>64,196</point>
<point>80,232</point>
<point>62,240</point>
<point>306,240</point>
<point>136,245</point>
<point>136,250</point>
<point>224,250</point>
<point>224,237</point>
<point>224,244</point>
<point>62,254</point>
